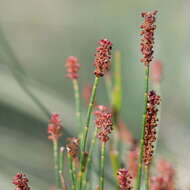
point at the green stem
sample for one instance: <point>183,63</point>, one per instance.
<point>71,171</point>
<point>56,164</point>
<point>102,166</point>
<point>88,163</point>
<point>85,132</point>
<point>140,162</point>
<point>77,101</point>
<point>147,177</point>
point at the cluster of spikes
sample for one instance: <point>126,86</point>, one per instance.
<point>103,117</point>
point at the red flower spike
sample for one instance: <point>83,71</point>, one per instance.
<point>103,123</point>
<point>124,179</point>
<point>147,42</point>
<point>21,182</point>
<point>73,67</point>
<point>102,61</point>
<point>150,127</point>
<point>54,127</point>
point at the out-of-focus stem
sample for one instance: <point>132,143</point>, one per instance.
<point>56,164</point>
<point>147,177</point>
<point>102,166</point>
<point>85,132</point>
<point>140,162</point>
<point>77,101</point>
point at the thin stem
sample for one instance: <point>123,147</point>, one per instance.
<point>61,160</point>
<point>140,162</point>
<point>77,101</point>
<point>72,173</point>
<point>147,177</point>
<point>88,162</point>
<point>102,166</point>
<point>85,132</point>
<point>56,164</point>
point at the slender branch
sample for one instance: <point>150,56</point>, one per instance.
<point>147,177</point>
<point>102,166</point>
<point>77,101</point>
<point>89,163</point>
<point>72,173</point>
<point>85,132</point>
<point>56,164</point>
<point>140,162</point>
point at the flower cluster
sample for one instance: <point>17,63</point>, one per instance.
<point>103,122</point>
<point>73,147</point>
<point>150,127</point>
<point>103,58</point>
<point>124,179</point>
<point>148,28</point>
<point>21,182</point>
<point>73,67</point>
<point>54,127</point>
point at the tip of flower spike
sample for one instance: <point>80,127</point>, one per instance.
<point>21,182</point>
<point>102,60</point>
<point>54,127</point>
<point>73,67</point>
<point>124,179</point>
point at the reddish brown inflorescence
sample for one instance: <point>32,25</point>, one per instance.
<point>103,57</point>
<point>103,123</point>
<point>54,127</point>
<point>124,179</point>
<point>73,67</point>
<point>150,127</point>
<point>21,182</point>
<point>73,147</point>
<point>147,42</point>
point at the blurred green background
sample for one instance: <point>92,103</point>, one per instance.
<point>40,34</point>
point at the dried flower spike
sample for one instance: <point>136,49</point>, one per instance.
<point>150,127</point>
<point>73,147</point>
<point>103,123</point>
<point>21,182</point>
<point>73,67</point>
<point>103,58</point>
<point>124,179</point>
<point>54,127</point>
<point>147,42</point>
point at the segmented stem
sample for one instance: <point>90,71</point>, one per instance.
<point>56,164</point>
<point>140,162</point>
<point>72,172</point>
<point>77,101</point>
<point>85,132</point>
<point>102,166</point>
